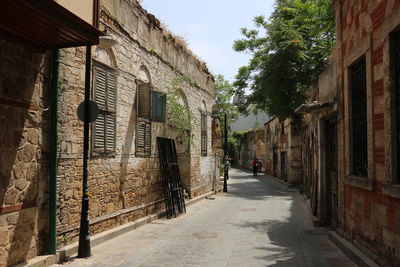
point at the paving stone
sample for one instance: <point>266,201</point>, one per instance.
<point>272,228</point>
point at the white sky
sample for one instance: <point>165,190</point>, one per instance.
<point>210,27</point>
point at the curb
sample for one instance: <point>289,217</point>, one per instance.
<point>69,250</point>
<point>351,251</point>
<point>315,220</point>
<point>280,181</point>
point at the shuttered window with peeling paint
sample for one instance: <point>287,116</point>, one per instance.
<point>151,106</point>
<point>203,134</point>
<point>105,95</point>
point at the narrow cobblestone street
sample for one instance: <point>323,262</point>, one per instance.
<point>260,222</point>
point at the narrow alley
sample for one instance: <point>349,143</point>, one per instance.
<point>259,222</point>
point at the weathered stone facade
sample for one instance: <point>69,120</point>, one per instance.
<point>283,146</point>
<point>251,145</point>
<point>369,207</point>
<point>319,154</point>
<point>24,136</point>
<point>123,186</point>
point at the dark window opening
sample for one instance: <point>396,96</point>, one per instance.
<point>359,119</point>
<point>395,61</point>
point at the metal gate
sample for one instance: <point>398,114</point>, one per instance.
<point>173,190</point>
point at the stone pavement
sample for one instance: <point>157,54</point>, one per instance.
<point>259,222</point>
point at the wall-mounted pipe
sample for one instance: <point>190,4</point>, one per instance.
<point>55,72</point>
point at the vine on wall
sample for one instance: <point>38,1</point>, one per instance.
<point>179,116</point>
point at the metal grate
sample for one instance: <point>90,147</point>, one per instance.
<point>359,119</point>
<point>173,189</point>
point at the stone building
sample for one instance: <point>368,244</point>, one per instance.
<point>368,72</point>
<point>283,146</point>
<point>27,82</point>
<point>319,147</point>
<point>251,145</point>
<point>129,82</point>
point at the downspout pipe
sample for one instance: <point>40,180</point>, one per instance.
<point>55,72</point>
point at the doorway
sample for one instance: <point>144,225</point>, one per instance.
<point>331,172</point>
<point>275,162</point>
<point>283,166</point>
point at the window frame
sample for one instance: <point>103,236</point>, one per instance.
<point>147,120</point>
<point>96,64</point>
<point>203,134</point>
<point>394,41</point>
<point>362,60</point>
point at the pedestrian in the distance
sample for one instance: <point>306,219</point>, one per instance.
<point>255,166</point>
<point>259,166</point>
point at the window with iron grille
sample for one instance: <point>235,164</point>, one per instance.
<point>395,61</point>
<point>203,134</point>
<point>151,106</point>
<point>358,105</point>
<point>104,93</point>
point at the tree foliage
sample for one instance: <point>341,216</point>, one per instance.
<point>288,54</point>
<point>179,116</point>
<point>224,92</point>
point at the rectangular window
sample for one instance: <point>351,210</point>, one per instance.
<point>104,93</point>
<point>395,102</point>
<point>358,107</point>
<point>158,105</point>
<point>203,134</point>
<point>151,106</point>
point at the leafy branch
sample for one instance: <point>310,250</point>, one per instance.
<point>179,115</point>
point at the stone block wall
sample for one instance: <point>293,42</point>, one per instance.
<point>369,208</point>
<point>124,187</point>
<point>283,138</point>
<point>252,145</point>
<point>24,139</point>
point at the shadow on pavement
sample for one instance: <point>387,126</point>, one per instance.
<point>293,241</point>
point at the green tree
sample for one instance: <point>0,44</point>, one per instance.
<point>224,92</point>
<point>288,54</point>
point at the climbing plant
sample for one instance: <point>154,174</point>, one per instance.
<point>179,116</point>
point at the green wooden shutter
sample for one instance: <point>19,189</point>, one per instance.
<point>158,105</point>
<point>143,138</point>
<point>143,99</point>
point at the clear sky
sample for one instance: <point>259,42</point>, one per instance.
<point>210,27</point>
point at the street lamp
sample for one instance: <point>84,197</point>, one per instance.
<point>84,249</point>
<point>226,171</point>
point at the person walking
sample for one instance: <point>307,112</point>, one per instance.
<point>255,166</point>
